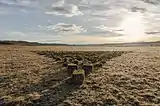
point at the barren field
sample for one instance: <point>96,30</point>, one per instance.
<point>32,76</point>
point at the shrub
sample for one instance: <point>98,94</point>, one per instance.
<point>71,68</point>
<point>88,68</point>
<point>65,64</point>
<point>98,65</point>
<point>58,59</point>
<point>78,77</point>
<point>76,62</point>
<point>65,60</point>
<point>70,60</point>
<point>79,58</point>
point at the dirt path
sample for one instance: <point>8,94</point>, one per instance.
<point>132,79</point>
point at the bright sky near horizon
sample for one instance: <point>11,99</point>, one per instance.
<point>80,21</point>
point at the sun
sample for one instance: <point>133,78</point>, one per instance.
<point>133,27</point>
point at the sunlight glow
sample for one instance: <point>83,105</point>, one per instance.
<point>133,27</point>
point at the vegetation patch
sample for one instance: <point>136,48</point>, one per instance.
<point>81,60</point>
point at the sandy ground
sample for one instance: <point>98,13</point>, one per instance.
<point>132,79</point>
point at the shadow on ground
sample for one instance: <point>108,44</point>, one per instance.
<point>53,89</point>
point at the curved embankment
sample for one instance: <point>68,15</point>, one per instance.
<point>131,79</point>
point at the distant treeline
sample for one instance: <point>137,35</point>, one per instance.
<point>25,43</point>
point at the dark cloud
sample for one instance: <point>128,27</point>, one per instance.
<point>152,33</point>
<point>65,9</point>
<point>154,2</point>
<point>97,7</point>
<point>138,9</point>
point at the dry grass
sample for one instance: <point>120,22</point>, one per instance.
<point>131,79</point>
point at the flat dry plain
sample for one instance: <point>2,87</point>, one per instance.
<point>131,79</point>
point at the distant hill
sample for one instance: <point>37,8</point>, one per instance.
<point>25,43</point>
<point>132,44</point>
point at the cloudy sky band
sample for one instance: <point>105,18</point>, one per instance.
<point>83,20</point>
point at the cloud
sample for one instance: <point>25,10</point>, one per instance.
<point>138,9</point>
<point>109,29</point>
<point>53,7</point>
<point>100,6</point>
<point>18,3</point>
<point>152,33</point>
<point>61,8</point>
<point>114,8</point>
<point>64,28</point>
<point>104,28</point>
<point>154,2</point>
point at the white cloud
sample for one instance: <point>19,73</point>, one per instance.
<point>64,28</point>
<point>104,28</point>
<point>61,8</point>
<point>110,29</point>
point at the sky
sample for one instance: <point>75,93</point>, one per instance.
<point>80,21</point>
